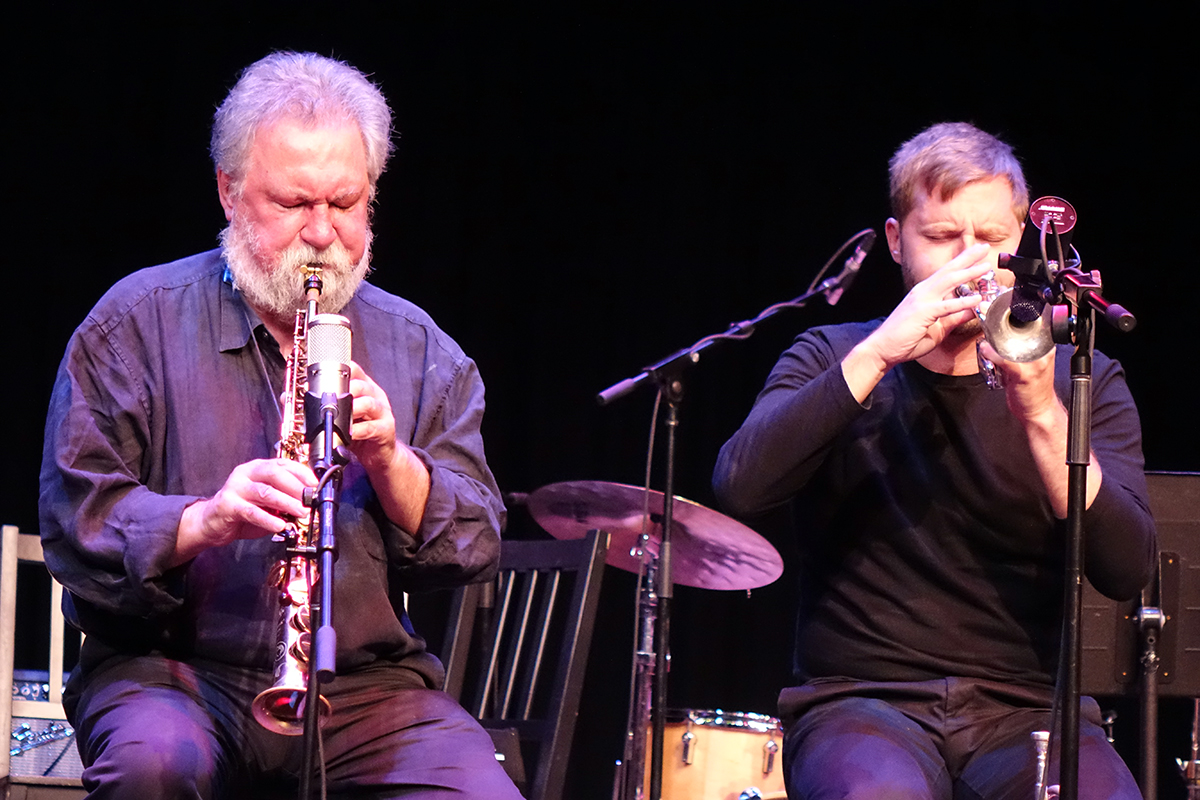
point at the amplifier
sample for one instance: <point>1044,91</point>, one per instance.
<point>41,747</point>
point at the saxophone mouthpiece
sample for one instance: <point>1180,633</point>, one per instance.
<point>312,280</point>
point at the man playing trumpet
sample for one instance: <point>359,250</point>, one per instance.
<point>160,495</point>
<point>929,512</point>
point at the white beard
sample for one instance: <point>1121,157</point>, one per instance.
<point>274,286</point>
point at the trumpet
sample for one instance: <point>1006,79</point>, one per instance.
<point>1041,746</point>
<point>1012,338</point>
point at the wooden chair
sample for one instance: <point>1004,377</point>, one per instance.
<point>47,767</point>
<point>520,648</point>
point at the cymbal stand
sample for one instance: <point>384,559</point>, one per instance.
<point>649,690</point>
<point>631,772</point>
<point>668,375</point>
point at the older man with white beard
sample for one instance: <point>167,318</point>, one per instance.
<point>161,493</point>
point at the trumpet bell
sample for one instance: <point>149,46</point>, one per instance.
<point>1015,340</point>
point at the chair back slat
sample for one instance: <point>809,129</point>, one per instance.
<point>516,635</point>
<point>541,633</point>
<point>528,667</point>
<point>490,689</point>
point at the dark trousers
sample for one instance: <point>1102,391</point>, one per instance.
<point>934,740</point>
<point>151,727</point>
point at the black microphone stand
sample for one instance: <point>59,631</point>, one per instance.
<point>1082,291</point>
<point>667,374</point>
<point>1078,458</point>
<point>323,649</point>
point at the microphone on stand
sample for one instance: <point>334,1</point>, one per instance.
<point>1031,292</point>
<point>328,354</point>
<point>833,287</point>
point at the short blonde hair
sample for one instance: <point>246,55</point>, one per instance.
<point>947,156</point>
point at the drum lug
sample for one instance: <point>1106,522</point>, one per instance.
<point>739,745</point>
<point>688,755</point>
<point>769,751</point>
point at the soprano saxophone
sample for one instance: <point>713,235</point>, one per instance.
<point>281,707</point>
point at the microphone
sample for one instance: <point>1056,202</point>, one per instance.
<point>328,352</point>
<point>833,287</point>
<point>1055,216</point>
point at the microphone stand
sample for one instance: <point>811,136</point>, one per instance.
<point>668,375</point>
<point>1078,458</point>
<point>323,648</point>
<point>1083,293</point>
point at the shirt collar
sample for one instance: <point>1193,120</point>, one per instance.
<point>238,320</point>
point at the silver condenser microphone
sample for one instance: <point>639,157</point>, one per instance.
<point>328,353</point>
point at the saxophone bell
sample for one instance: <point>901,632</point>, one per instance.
<point>281,707</point>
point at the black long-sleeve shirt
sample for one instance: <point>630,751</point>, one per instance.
<point>929,548</point>
<point>170,383</point>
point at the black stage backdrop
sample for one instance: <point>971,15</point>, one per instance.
<point>580,190</point>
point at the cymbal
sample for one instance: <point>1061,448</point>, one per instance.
<point>709,550</point>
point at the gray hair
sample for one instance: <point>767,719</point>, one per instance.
<point>947,156</point>
<point>306,87</point>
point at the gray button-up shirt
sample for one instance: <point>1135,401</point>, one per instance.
<point>170,383</point>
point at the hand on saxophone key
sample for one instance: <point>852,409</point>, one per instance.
<point>400,479</point>
<point>256,500</point>
<point>372,427</point>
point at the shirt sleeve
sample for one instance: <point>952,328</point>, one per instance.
<point>1120,543</point>
<point>795,420</point>
<point>459,538</point>
<point>107,537</point>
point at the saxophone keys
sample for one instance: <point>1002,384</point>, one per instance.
<point>300,620</point>
<point>301,647</point>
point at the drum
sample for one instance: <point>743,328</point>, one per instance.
<point>719,755</point>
